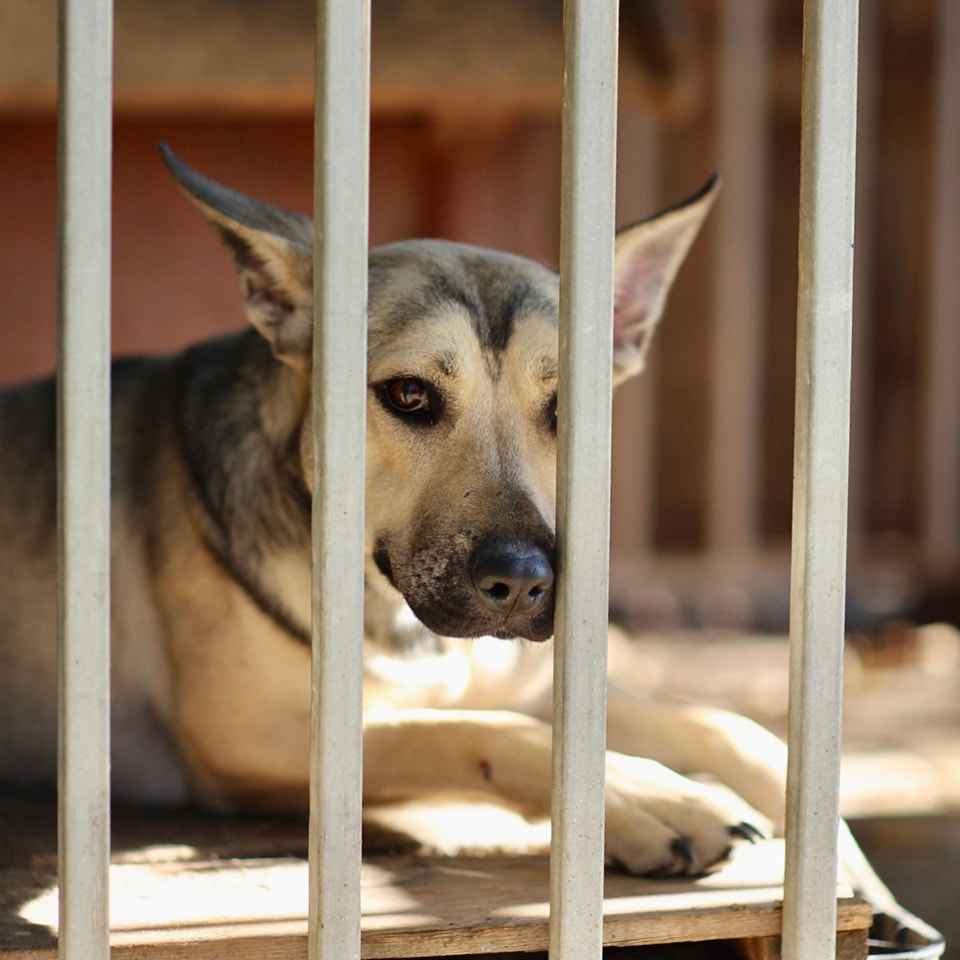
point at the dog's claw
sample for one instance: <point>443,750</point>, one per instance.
<point>746,831</point>
<point>760,834</point>
<point>663,825</point>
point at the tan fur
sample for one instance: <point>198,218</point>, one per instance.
<point>211,566</point>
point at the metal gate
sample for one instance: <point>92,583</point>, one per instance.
<point>339,397</point>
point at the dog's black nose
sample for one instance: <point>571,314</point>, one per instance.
<point>512,576</point>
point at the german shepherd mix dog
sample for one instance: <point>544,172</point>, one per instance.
<point>211,551</point>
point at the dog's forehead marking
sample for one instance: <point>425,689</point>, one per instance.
<point>440,346</point>
<point>535,349</point>
<point>412,281</point>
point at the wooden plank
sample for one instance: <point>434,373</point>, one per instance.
<point>412,907</point>
<point>494,183</point>
<point>941,513</point>
<point>633,487</point>
<point>851,945</point>
<point>759,948</point>
<point>864,263</point>
<point>226,55</point>
<point>739,280</point>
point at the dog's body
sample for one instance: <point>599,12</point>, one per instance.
<point>210,586</point>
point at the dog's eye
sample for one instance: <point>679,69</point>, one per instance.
<point>411,398</point>
<point>552,413</point>
<point>407,394</point>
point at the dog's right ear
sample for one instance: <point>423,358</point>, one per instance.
<point>646,260</point>
<point>272,249</point>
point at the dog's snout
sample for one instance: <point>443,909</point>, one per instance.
<point>511,576</point>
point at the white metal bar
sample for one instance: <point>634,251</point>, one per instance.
<point>583,476</point>
<point>824,310</point>
<point>83,439</point>
<point>634,422</point>
<point>739,279</point>
<point>341,145</point>
<point>942,441</point>
<point>868,91</point>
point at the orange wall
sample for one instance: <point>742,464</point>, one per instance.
<point>172,282</point>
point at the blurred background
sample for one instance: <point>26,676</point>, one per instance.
<point>465,145</point>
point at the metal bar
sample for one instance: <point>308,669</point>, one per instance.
<point>83,472</point>
<point>942,441</point>
<point>634,422</point>
<point>824,311</point>
<point>341,145</point>
<point>868,94</point>
<point>739,280</point>
<point>583,476</point>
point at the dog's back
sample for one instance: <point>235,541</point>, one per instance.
<point>28,591</point>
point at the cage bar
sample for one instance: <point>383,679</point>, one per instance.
<point>583,476</point>
<point>338,409</point>
<point>821,452</point>
<point>942,441</point>
<point>83,475</point>
<point>739,280</point>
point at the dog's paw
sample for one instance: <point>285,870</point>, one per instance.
<point>662,824</point>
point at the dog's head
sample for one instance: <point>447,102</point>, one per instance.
<point>462,409</point>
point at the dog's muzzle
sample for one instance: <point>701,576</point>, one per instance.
<point>513,579</point>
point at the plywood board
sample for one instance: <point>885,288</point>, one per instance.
<point>413,907</point>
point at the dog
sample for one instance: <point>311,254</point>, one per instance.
<point>210,603</point>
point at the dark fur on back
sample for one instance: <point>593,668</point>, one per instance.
<point>245,473</point>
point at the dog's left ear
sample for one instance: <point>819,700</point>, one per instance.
<point>647,257</point>
<point>272,249</point>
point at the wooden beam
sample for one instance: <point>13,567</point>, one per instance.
<point>740,270</point>
<point>633,492</point>
<point>868,102</point>
<point>229,55</point>
<point>851,945</point>
<point>412,907</point>
<point>942,440</point>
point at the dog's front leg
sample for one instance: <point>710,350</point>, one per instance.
<point>693,739</point>
<point>743,755</point>
<point>656,820</point>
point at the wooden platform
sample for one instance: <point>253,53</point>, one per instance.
<point>203,888</point>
